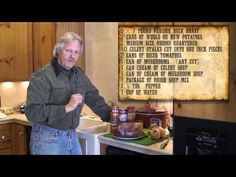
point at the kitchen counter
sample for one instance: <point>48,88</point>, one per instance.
<point>153,149</point>
<point>17,118</point>
<point>21,118</point>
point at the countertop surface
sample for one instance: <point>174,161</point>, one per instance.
<point>153,149</point>
<point>17,118</point>
<point>21,118</point>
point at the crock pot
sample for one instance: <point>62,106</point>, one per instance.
<point>150,115</point>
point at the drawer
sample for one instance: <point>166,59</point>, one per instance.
<point>5,133</point>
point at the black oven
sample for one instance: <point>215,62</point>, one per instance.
<point>195,136</point>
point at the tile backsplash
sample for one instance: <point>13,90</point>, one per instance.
<point>13,93</point>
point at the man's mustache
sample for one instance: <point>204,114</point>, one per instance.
<point>70,59</point>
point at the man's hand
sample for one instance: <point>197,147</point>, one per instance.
<point>75,100</point>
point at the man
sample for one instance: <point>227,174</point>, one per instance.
<point>55,97</point>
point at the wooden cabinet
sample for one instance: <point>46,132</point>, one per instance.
<point>26,47</point>
<point>13,139</point>
<point>15,51</point>
<point>19,146</point>
<point>5,139</point>
<point>43,43</point>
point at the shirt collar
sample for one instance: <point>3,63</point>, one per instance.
<point>58,68</point>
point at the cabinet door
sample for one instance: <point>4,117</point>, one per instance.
<point>43,43</point>
<point>6,151</point>
<point>5,139</point>
<point>16,58</point>
<point>19,139</point>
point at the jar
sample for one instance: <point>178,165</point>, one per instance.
<point>114,119</point>
<point>115,115</point>
<point>131,113</point>
<point>123,115</point>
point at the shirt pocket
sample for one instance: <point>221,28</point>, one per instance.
<point>79,87</point>
<point>60,95</point>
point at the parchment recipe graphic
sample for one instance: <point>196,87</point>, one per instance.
<point>181,62</point>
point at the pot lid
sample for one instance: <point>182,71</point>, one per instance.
<point>148,109</point>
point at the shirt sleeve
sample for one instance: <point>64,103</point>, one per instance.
<point>37,107</point>
<point>96,102</point>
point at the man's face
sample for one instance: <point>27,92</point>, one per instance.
<point>69,55</point>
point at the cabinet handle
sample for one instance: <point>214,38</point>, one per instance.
<point>21,133</point>
<point>3,137</point>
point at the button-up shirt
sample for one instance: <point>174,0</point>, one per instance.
<point>50,89</point>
